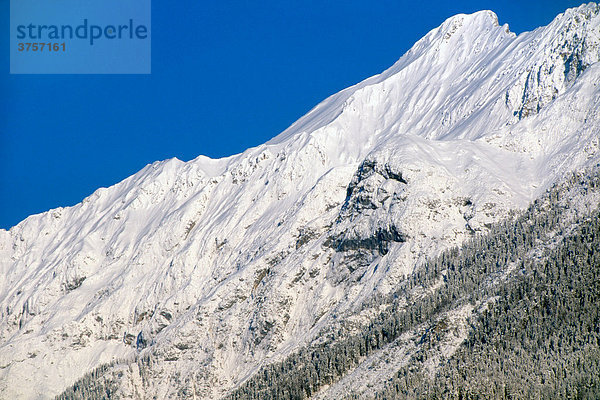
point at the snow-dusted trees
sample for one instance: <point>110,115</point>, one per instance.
<point>96,384</point>
<point>540,339</point>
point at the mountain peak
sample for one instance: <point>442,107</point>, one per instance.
<point>582,16</point>
<point>587,9</point>
<point>468,26</point>
<point>483,18</point>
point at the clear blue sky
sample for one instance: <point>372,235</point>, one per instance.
<point>225,77</point>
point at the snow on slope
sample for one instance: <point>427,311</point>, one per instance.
<point>217,266</point>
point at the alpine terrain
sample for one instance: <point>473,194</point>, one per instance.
<point>430,231</point>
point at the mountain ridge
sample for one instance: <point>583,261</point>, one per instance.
<point>221,265</point>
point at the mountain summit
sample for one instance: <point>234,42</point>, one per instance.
<point>213,268</point>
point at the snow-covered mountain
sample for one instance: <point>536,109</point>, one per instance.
<point>216,267</point>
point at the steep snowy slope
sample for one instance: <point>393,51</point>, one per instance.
<point>214,267</point>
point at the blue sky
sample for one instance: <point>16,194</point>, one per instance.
<point>225,77</point>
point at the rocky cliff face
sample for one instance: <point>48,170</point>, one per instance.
<point>214,267</point>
